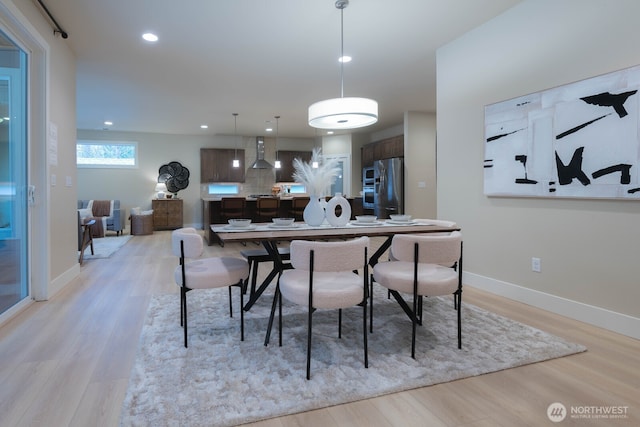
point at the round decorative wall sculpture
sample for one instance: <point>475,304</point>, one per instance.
<point>175,176</point>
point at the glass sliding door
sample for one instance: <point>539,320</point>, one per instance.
<point>14,278</point>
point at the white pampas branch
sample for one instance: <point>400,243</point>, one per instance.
<point>316,180</point>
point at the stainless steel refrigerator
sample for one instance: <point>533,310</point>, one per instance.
<point>389,187</point>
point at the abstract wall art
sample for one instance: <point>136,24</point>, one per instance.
<point>578,140</point>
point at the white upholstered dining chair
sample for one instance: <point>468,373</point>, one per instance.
<point>194,272</point>
<point>423,265</point>
<point>324,276</point>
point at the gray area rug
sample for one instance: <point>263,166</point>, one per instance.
<point>104,247</point>
<point>221,381</point>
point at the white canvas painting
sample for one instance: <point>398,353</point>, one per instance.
<point>577,140</point>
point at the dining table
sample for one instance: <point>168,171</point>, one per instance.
<point>269,234</point>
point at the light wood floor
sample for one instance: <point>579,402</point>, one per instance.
<point>66,362</point>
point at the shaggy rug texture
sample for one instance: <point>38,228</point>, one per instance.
<point>221,381</point>
<point>104,247</point>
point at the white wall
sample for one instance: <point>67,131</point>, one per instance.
<point>589,248</point>
<point>420,164</point>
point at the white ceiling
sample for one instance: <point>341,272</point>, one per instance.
<point>259,58</point>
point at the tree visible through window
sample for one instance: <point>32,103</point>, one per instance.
<point>107,154</point>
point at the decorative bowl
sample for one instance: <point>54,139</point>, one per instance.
<point>400,217</point>
<point>366,218</point>
<point>239,222</point>
<point>283,222</point>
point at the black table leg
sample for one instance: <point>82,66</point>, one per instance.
<point>278,267</point>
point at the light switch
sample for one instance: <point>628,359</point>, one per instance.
<point>422,184</point>
<point>67,181</point>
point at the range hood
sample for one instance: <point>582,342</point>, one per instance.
<point>260,162</point>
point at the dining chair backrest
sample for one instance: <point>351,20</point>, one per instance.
<point>193,243</point>
<point>329,256</point>
<point>433,248</point>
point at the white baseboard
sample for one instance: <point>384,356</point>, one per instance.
<point>603,318</point>
<point>63,280</point>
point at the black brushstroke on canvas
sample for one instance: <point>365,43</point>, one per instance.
<point>566,173</point>
<point>522,158</point>
<point>488,163</point>
<point>607,99</point>
<point>633,190</point>
<point>577,128</point>
<point>502,135</point>
<point>623,168</point>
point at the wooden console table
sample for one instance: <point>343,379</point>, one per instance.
<point>167,214</point>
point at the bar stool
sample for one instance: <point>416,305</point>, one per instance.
<point>267,208</point>
<point>297,207</point>
<point>232,207</point>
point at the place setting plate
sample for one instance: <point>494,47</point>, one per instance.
<point>240,227</point>
<point>398,222</point>
<point>367,223</point>
<point>283,227</point>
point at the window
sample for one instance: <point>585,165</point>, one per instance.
<point>106,154</point>
<point>223,189</point>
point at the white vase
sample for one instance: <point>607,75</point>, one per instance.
<point>314,212</point>
<point>330,211</point>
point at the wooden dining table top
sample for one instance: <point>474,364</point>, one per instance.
<point>267,231</point>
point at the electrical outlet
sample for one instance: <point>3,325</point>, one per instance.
<point>535,264</point>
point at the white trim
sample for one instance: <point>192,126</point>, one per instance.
<point>14,310</point>
<point>597,316</point>
<point>23,33</point>
<point>63,280</point>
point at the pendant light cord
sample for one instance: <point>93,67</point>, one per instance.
<point>235,132</point>
<point>342,52</point>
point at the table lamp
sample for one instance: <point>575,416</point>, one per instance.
<point>161,187</point>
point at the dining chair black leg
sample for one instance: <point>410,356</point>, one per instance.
<point>184,308</point>
<point>310,316</point>
<point>339,323</point>
<point>230,305</point>
<point>371,305</point>
<point>365,333</point>
<point>241,285</point>
<point>279,317</point>
<point>273,311</point>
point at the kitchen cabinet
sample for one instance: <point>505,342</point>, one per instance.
<point>384,149</point>
<point>285,173</point>
<point>216,165</point>
<point>167,214</point>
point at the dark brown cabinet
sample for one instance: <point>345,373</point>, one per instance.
<point>285,173</point>
<point>167,214</point>
<point>216,165</point>
<point>385,149</point>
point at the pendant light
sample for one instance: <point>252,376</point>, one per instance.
<point>236,161</point>
<point>314,164</point>
<point>343,113</point>
<point>277,163</point>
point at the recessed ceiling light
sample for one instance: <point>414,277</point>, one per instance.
<point>345,59</point>
<point>269,129</point>
<point>204,127</point>
<point>330,132</point>
<point>108,123</point>
<point>150,37</point>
